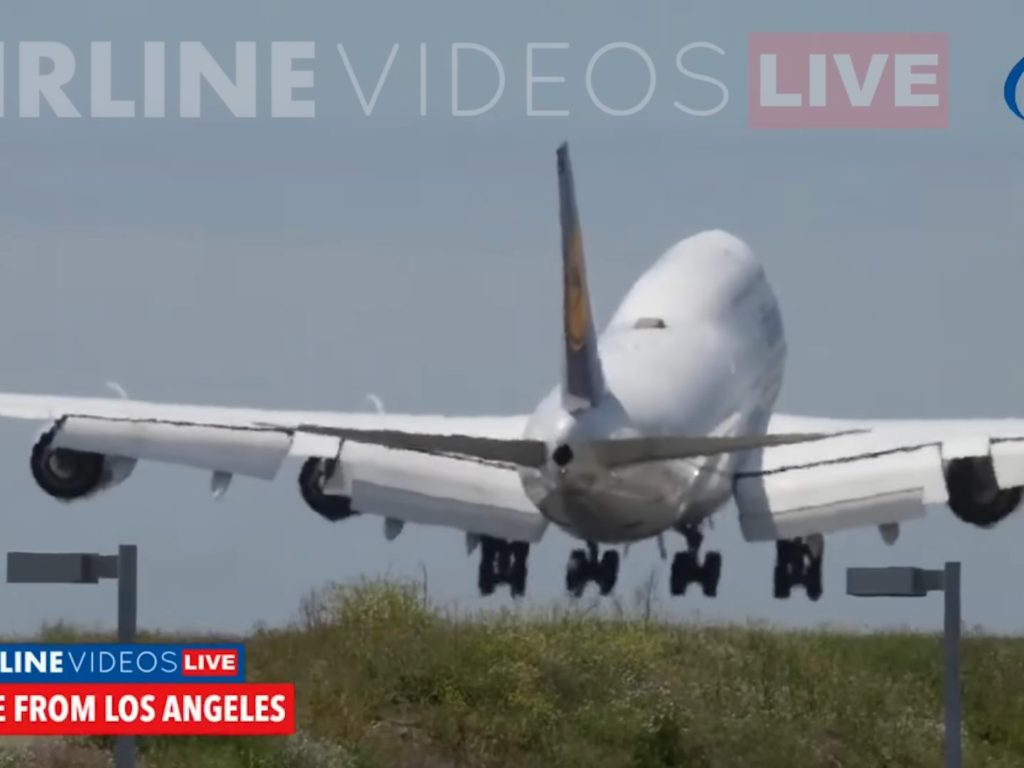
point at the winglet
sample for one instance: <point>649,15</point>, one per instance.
<point>582,378</point>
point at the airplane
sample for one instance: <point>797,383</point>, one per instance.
<point>655,425</point>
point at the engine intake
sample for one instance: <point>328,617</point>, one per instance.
<point>315,472</point>
<point>974,493</point>
<point>68,474</point>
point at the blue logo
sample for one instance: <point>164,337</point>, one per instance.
<point>1010,89</point>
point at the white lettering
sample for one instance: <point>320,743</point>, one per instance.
<point>456,49</point>
<point>34,86</point>
<point>423,79</point>
<point>652,75</point>
<point>531,78</point>
<point>818,80</point>
<point>101,76</point>
<point>198,66</point>
<point>907,78</point>
<point>703,79</point>
<point>154,67</point>
<point>861,94</point>
<point>284,79</point>
<point>368,105</point>
<point>770,96</point>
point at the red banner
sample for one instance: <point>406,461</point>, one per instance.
<point>157,709</point>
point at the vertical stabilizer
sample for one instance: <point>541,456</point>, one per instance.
<point>582,379</point>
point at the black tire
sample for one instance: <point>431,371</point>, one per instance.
<point>517,582</point>
<point>520,551</point>
<point>785,552</point>
<point>503,567</point>
<point>814,583</point>
<point>485,576</point>
<point>782,587</point>
<point>609,571</point>
<point>684,568</point>
<point>711,573</point>
<point>488,548</point>
<point>576,573</point>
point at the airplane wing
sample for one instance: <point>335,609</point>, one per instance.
<point>459,472</point>
<point>476,496</point>
<point>879,473</point>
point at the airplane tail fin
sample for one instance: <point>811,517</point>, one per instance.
<point>582,377</point>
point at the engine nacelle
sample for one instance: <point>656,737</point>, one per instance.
<point>67,474</point>
<point>974,493</point>
<point>315,472</point>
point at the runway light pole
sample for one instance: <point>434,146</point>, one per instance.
<point>87,568</point>
<point>918,582</point>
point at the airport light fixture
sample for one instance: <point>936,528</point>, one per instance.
<point>918,582</point>
<point>89,568</point>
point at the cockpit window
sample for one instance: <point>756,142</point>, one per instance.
<point>649,322</point>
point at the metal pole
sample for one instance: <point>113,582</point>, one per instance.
<point>127,592</point>
<point>951,589</point>
<point>127,618</point>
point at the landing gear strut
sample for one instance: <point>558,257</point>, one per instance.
<point>798,562</point>
<point>687,568</point>
<point>502,562</point>
<point>585,566</point>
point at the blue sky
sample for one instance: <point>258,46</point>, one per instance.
<point>308,263</point>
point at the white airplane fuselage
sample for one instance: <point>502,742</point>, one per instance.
<point>695,348</point>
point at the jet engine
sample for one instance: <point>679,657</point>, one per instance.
<point>67,474</point>
<point>315,472</point>
<point>974,494</point>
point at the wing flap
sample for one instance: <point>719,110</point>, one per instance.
<point>437,490</point>
<point>887,471</point>
<point>890,487</point>
<point>1008,462</point>
<point>237,450</point>
<point>883,509</point>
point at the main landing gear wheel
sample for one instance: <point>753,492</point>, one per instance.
<point>502,562</point>
<point>687,568</point>
<point>798,562</point>
<point>584,566</point>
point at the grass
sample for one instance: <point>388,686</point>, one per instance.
<point>384,679</point>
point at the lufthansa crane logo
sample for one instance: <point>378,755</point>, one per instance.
<point>1010,89</point>
<point>576,318</point>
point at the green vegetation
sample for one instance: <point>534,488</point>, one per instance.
<point>383,679</point>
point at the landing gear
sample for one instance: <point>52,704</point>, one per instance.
<point>584,566</point>
<point>798,562</point>
<point>687,568</point>
<point>502,562</point>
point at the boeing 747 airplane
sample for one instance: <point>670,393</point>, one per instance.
<point>655,425</point>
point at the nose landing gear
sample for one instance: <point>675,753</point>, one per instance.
<point>687,568</point>
<point>584,566</point>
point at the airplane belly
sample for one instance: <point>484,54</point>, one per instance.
<point>628,505</point>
